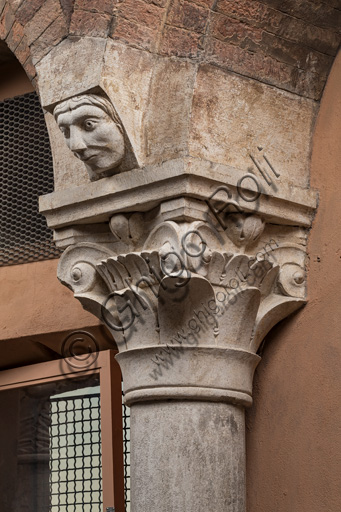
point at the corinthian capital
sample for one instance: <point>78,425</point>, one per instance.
<point>187,302</point>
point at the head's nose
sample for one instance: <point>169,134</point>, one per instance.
<point>76,140</point>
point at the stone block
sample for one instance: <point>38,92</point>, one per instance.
<point>65,71</point>
<point>231,117</point>
<point>168,111</point>
<point>126,77</point>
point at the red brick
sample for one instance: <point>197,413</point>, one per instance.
<point>2,5</point>
<point>255,39</point>
<point>22,52</point>
<point>102,6</point>
<point>263,68</point>
<point>320,15</point>
<point>15,36</point>
<point>29,68</point>
<point>67,8</point>
<point>142,13</point>
<point>6,21</point>
<point>15,4</point>
<point>278,23</point>
<point>134,34</point>
<point>84,23</point>
<point>187,15</point>
<point>51,37</point>
<point>27,10</point>
<point>180,43</point>
<point>204,3</point>
<point>296,54</point>
<point>159,3</point>
<point>229,29</point>
<point>48,13</point>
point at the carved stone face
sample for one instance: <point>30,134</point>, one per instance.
<point>92,135</point>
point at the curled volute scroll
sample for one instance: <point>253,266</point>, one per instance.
<point>95,134</point>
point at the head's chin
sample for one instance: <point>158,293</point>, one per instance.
<point>103,165</point>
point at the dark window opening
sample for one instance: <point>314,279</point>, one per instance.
<point>26,172</point>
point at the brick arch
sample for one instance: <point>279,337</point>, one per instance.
<point>289,44</point>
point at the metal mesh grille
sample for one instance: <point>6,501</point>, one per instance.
<point>75,460</point>
<point>26,172</point>
<point>126,454</point>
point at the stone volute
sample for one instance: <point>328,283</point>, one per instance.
<point>189,261</point>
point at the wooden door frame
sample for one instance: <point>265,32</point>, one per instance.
<point>104,364</point>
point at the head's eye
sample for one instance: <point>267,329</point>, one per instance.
<point>89,125</point>
<point>65,131</point>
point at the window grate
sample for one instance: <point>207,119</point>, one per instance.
<point>75,454</point>
<point>26,172</point>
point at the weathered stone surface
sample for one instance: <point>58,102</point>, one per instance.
<point>231,118</point>
<point>126,78</point>
<point>65,71</point>
<point>141,190</point>
<point>167,114</point>
<point>205,440</point>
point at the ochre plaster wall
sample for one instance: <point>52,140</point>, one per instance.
<point>293,428</point>
<point>34,302</point>
<point>35,309</point>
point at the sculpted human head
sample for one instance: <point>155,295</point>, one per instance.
<point>92,131</point>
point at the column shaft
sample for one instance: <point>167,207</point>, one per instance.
<point>187,456</point>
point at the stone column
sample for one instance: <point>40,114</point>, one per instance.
<point>183,207</point>
<point>188,311</point>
